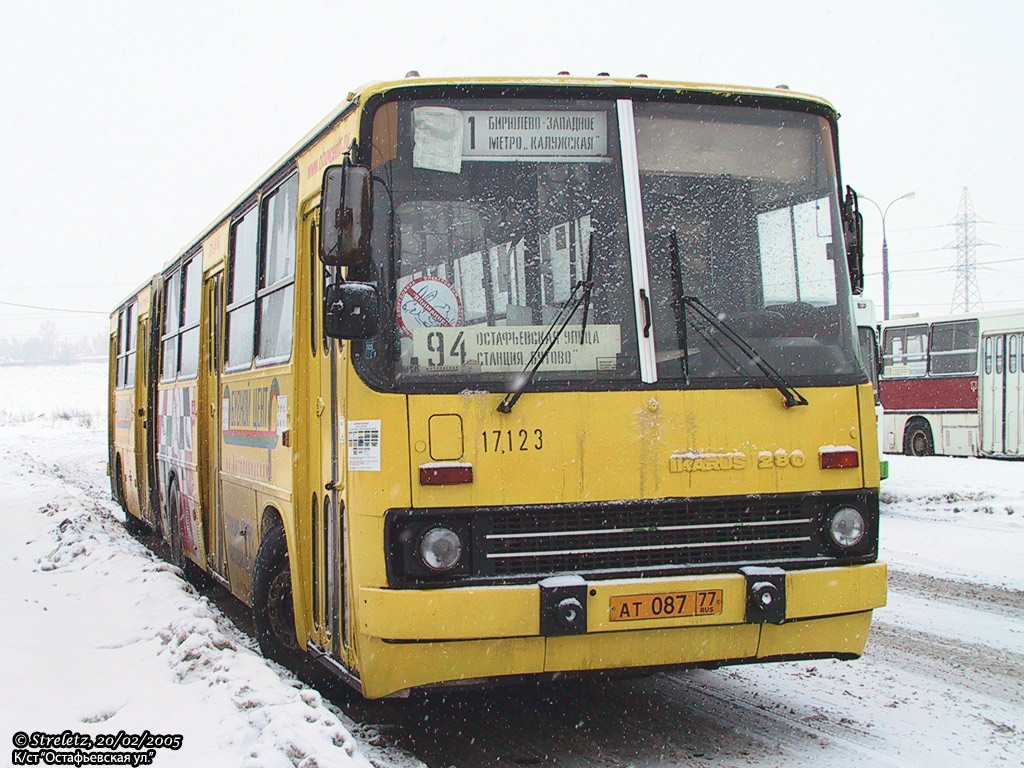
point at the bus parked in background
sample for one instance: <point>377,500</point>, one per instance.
<point>867,337</point>
<point>952,385</point>
<point>497,378</point>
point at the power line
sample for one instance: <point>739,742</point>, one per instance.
<point>54,309</point>
<point>65,286</point>
<point>946,304</point>
<point>934,270</point>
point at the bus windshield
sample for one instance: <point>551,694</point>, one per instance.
<point>490,215</point>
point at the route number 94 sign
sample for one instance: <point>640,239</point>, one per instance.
<point>501,349</point>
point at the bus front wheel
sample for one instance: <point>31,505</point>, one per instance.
<point>273,609</point>
<point>917,440</point>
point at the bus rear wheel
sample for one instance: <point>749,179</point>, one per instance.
<point>273,609</point>
<point>917,440</point>
<point>174,522</point>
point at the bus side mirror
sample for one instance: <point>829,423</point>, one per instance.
<point>351,311</point>
<point>346,199</point>
<point>853,229</point>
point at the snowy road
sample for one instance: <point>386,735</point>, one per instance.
<point>99,636</point>
<point>940,685</point>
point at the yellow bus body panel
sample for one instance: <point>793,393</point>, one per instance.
<point>499,614</point>
<point>604,446</point>
<point>593,447</point>
<point>514,611</point>
<point>388,667</point>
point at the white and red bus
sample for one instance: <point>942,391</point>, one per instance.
<point>953,385</point>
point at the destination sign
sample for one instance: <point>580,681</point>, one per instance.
<point>507,349</point>
<point>524,134</point>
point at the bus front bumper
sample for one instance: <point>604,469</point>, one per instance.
<point>413,638</point>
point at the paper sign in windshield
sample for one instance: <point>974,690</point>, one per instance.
<point>522,134</point>
<point>438,138</point>
<point>507,349</point>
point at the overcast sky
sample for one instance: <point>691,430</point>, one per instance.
<point>127,126</point>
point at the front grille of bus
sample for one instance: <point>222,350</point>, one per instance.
<point>634,539</point>
<point>512,544</point>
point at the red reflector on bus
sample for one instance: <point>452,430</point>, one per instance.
<point>446,474</point>
<point>839,458</point>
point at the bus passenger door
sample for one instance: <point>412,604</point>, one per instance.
<point>1013,395</point>
<point>332,438</point>
<point>993,386</point>
<point>334,505</point>
<point>213,522</point>
<point>326,435</point>
<point>143,420</point>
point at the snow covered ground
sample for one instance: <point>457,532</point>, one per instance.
<point>100,636</point>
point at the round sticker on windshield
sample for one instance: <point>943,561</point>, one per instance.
<point>428,302</point>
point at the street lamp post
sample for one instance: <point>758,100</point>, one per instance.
<point>885,248</point>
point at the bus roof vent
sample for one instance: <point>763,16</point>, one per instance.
<point>412,73</point>
<point>603,74</point>
<point>564,72</point>
<point>642,76</point>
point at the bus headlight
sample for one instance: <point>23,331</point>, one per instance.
<point>440,548</point>
<point>846,526</point>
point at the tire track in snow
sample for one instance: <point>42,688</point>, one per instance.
<point>991,598</point>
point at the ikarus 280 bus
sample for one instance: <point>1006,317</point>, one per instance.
<point>497,378</point>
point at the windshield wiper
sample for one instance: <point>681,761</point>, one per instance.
<point>792,397</point>
<point>677,276</point>
<point>580,295</point>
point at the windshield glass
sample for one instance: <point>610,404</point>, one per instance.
<point>489,214</point>
<point>740,211</point>
<point>498,209</point>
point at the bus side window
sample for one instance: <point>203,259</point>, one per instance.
<point>172,315</point>
<point>241,310</point>
<point>314,276</point>
<point>954,347</point>
<point>892,349</point>
<point>130,344</point>
<point>276,292</point>
<point>121,339</point>
<point>917,350</point>
<point>191,295</point>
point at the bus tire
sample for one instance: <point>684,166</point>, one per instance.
<point>272,606</point>
<point>194,574</point>
<point>917,439</point>
<point>173,522</point>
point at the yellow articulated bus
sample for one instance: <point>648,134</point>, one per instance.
<point>497,378</point>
